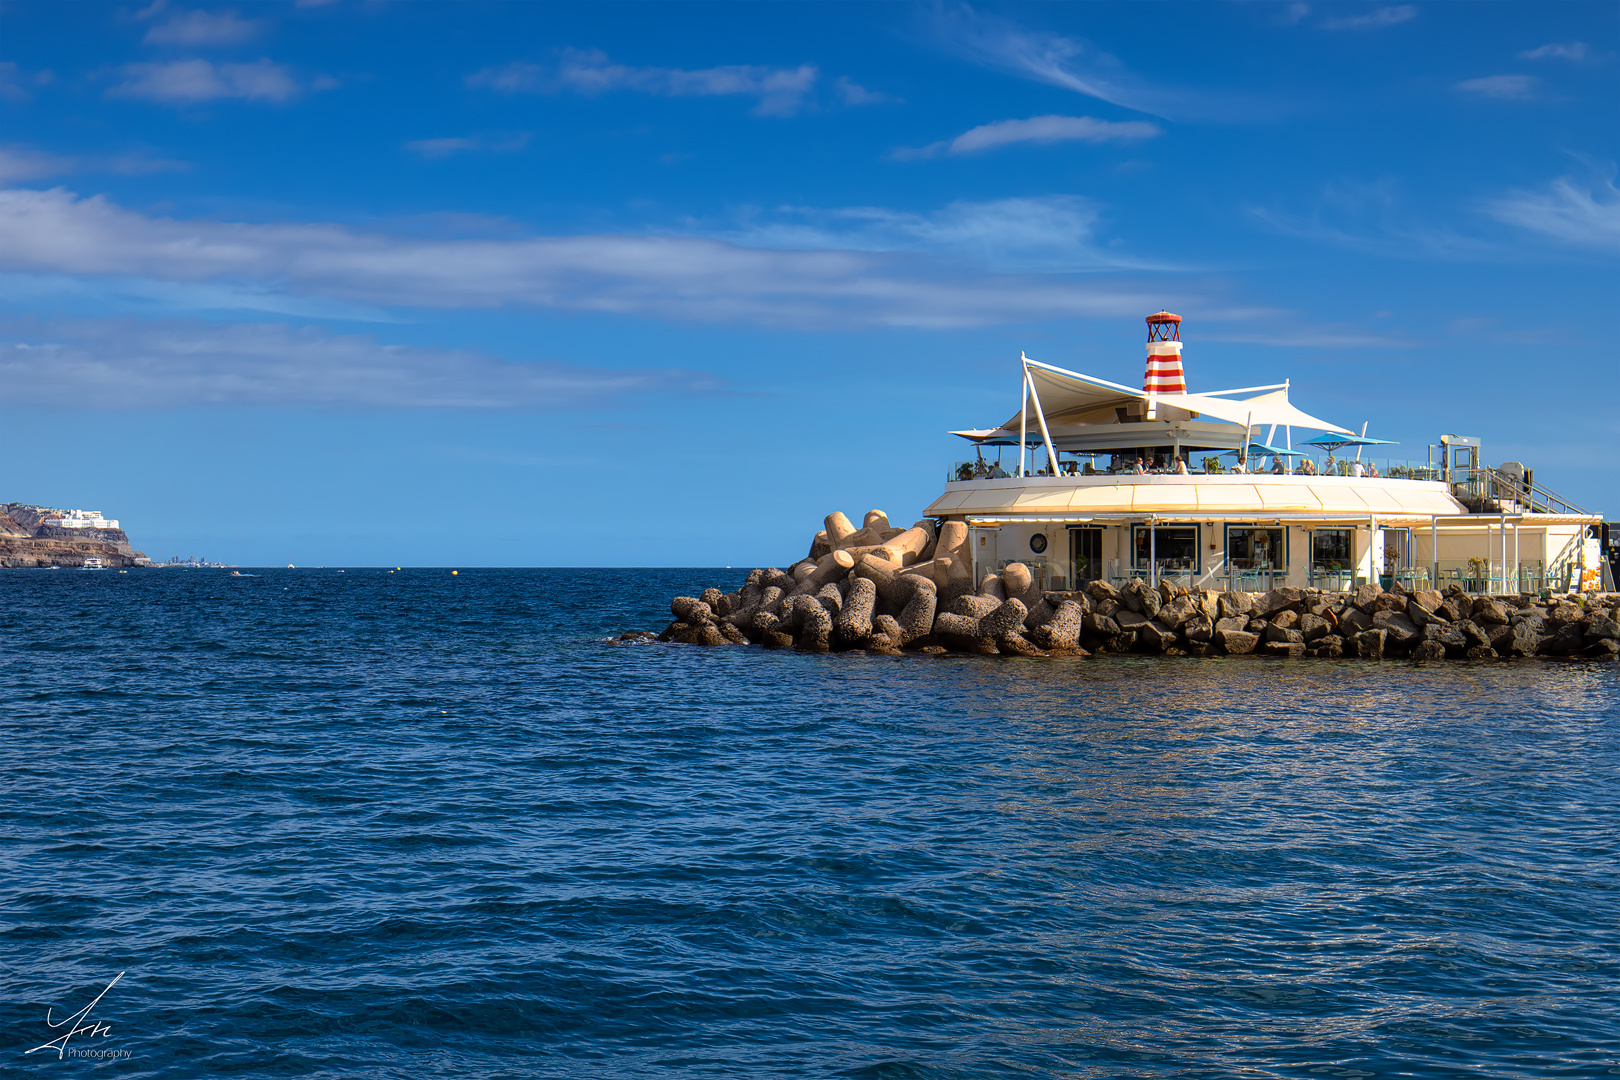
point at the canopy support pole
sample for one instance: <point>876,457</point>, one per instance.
<point>1023,410</point>
<point>1040,414</point>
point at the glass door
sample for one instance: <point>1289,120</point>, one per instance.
<point>1085,556</point>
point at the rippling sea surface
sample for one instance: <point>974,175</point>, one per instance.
<point>371,824</point>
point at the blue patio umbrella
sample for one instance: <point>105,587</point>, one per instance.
<point>1260,449</point>
<point>1331,443</point>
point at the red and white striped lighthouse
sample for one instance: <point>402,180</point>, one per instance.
<point>1164,374</point>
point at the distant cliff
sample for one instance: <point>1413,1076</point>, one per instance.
<point>25,540</point>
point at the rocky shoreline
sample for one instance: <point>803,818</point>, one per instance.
<point>890,591</point>
<point>26,541</point>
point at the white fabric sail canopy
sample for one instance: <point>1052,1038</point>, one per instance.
<point>1261,410</point>
<point>1068,398</point>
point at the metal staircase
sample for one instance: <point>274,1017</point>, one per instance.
<point>1491,491</point>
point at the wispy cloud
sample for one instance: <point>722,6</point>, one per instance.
<point>1292,14</point>
<point>187,82</point>
<point>17,84</point>
<point>200,28</point>
<point>1565,212</point>
<point>1572,50</point>
<point>779,91</point>
<point>867,267</point>
<point>1372,218</point>
<point>1055,233</point>
<point>442,148</point>
<point>1037,129</point>
<point>853,94</point>
<point>1312,337</point>
<point>24,163</point>
<point>1075,64</point>
<point>20,163</point>
<point>1072,63</point>
<point>125,364</point>
<point>1376,19</point>
<point>1503,87</point>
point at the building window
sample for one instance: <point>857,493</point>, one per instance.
<point>1249,548</point>
<point>1333,549</point>
<point>1175,546</point>
<point>1397,550</point>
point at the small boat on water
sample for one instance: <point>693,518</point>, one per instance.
<point>93,564</point>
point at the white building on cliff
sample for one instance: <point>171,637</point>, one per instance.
<point>79,519</point>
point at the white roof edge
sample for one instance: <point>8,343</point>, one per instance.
<point>1087,378</point>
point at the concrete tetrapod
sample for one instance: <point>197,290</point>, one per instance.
<point>839,528</point>
<point>916,618</point>
<point>854,622</point>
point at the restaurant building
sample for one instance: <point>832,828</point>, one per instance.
<point>1210,491</point>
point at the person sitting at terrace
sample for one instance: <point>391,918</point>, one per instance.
<point>997,472</point>
<point>1277,465</point>
<point>1329,467</point>
<point>1140,467</point>
<point>1372,469</point>
<point>1181,466</point>
<point>1307,467</point>
<point>1356,469</point>
<point>1242,465</point>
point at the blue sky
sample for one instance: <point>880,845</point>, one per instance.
<point>623,284</point>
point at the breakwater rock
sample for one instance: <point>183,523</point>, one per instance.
<point>888,590</point>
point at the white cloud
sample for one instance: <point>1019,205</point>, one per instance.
<point>853,94</point>
<point>1075,64</point>
<point>202,28</point>
<point>442,148</point>
<point>1502,87</point>
<point>780,91</point>
<point>1565,212</point>
<point>15,82</point>
<point>1374,218</point>
<point>1573,50</point>
<point>1314,337</point>
<point>20,163</point>
<point>129,364</point>
<point>1037,129</point>
<point>1049,58</point>
<point>1376,19</point>
<point>23,163</point>
<point>677,277</point>
<point>1027,235</point>
<point>186,82</point>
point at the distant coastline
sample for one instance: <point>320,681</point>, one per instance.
<point>35,536</point>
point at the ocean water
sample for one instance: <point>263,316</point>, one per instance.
<point>365,824</point>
